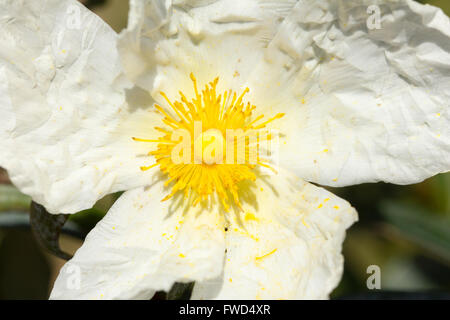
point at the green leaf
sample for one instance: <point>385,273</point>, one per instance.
<point>46,228</point>
<point>88,219</point>
<point>419,226</point>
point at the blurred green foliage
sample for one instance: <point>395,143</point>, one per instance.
<point>405,230</point>
<point>443,4</point>
<point>12,199</point>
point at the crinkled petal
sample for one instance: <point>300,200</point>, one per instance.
<point>285,245</point>
<point>362,104</point>
<point>144,245</point>
<point>167,41</point>
<point>67,114</point>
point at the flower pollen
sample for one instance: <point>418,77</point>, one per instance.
<point>209,144</point>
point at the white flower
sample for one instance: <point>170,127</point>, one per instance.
<point>351,104</point>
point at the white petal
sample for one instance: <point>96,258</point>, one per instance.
<point>144,245</point>
<point>164,43</point>
<point>286,245</point>
<point>362,105</point>
<point>66,128</point>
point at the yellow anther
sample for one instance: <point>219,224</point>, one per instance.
<point>205,169</point>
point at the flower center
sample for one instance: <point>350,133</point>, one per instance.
<point>209,144</point>
<point>208,147</point>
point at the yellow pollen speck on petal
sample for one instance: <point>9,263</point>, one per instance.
<point>250,216</point>
<point>231,280</point>
<point>304,223</point>
<point>182,255</point>
<point>336,207</point>
<point>193,151</point>
<point>327,199</point>
<point>325,150</point>
<point>320,206</point>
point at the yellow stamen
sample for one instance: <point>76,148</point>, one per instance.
<point>266,255</point>
<point>204,168</point>
<point>149,167</point>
